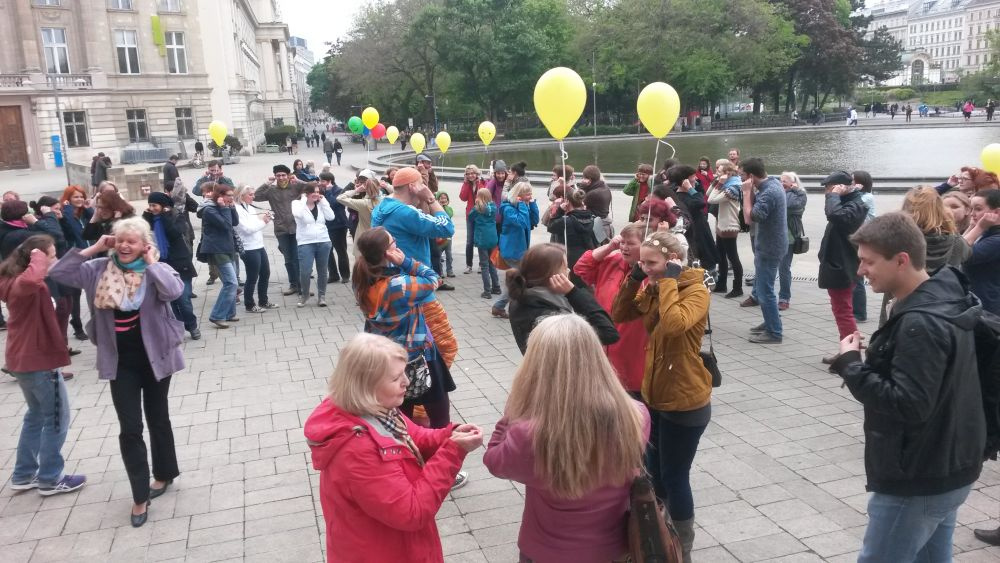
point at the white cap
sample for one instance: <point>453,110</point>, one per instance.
<point>366,173</point>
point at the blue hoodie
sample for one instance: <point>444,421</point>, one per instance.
<point>412,228</point>
<point>515,234</point>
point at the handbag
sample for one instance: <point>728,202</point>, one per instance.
<point>708,357</point>
<point>800,245</point>
<point>419,374</point>
<point>238,243</point>
<point>498,260</point>
<point>652,537</point>
<point>199,255</point>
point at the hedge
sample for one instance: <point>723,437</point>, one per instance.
<point>276,135</point>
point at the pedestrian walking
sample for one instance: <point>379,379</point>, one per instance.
<point>35,352</point>
<point>575,439</point>
<point>926,345</point>
<point>328,150</point>
<point>138,346</point>
<point>338,149</point>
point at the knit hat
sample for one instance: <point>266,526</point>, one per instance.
<point>423,158</point>
<point>405,177</point>
<point>160,198</point>
<point>281,168</point>
<point>13,210</point>
<point>367,174</point>
<point>499,166</point>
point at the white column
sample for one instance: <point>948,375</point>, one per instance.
<point>285,76</point>
<point>272,85</point>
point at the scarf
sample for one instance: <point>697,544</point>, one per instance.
<point>392,420</point>
<point>121,286</point>
<point>160,234</point>
<point>19,223</point>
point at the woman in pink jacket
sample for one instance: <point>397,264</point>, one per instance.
<point>575,438</point>
<point>604,269</point>
<point>382,477</point>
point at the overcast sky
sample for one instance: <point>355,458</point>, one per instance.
<point>318,21</point>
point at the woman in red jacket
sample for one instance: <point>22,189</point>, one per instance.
<point>382,477</point>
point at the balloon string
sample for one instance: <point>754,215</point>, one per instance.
<point>673,152</point>
<point>563,155</point>
<point>656,154</point>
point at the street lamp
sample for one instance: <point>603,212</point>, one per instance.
<point>63,148</point>
<point>434,104</point>
<point>593,85</point>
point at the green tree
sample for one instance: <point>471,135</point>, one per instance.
<point>882,56</point>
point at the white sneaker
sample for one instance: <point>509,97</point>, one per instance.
<point>461,480</point>
<point>300,304</point>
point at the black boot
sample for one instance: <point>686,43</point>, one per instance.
<point>991,537</point>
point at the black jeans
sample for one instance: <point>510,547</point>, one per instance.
<point>329,158</point>
<point>338,236</point>
<point>728,254</point>
<point>668,460</point>
<point>132,391</point>
<point>289,249</point>
<point>74,317</point>
<point>469,239</point>
<point>436,259</point>
<point>258,275</point>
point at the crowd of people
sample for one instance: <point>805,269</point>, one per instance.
<point>613,383</point>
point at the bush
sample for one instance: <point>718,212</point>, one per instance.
<point>231,145</point>
<point>901,94</point>
<point>276,135</point>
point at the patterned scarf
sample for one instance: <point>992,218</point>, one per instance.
<point>121,285</point>
<point>392,420</point>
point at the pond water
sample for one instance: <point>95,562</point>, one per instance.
<point>887,152</point>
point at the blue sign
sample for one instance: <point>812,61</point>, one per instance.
<point>57,154</point>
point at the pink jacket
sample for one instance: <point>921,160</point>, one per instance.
<point>628,354</point>
<point>590,529</point>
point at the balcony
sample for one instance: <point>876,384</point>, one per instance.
<point>13,80</point>
<point>64,81</point>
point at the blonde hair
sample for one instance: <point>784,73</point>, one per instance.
<point>665,240</point>
<point>727,166</point>
<point>518,190</point>
<point>483,200</point>
<point>794,177</point>
<point>928,211</point>
<point>362,363</point>
<point>587,430</point>
<point>472,168</point>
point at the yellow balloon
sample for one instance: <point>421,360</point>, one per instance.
<point>217,131</point>
<point>418,142</point>
<point>369,117</point>
<point>659,106</point>
<point>443,141</point>
<point>560,97</point>
<point>392,133</point>
<point>487,131</point>
<point>991,157</point>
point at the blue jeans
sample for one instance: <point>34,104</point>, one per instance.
<point>860,300</point>
<point>289,249</point>
<point>669,457</point>
<point>765,270</point>
<point>318,252</point>
<point>446,248</point>
<point>44,429</point>
<point>785,277</point>
<point>905,529</point>
<point>225,304</point>
<point>490,277</point>
<point>183,310</point>
<point>504,296</point>
<point>258,276</point>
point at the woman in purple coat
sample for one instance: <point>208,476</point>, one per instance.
<point>138,345</point>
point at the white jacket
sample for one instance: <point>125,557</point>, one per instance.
<point>251,227</point>
<point>309,229</point>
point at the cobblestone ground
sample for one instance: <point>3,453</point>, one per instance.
<point>779,475</point>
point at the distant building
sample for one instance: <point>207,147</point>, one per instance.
<point>302,62</point>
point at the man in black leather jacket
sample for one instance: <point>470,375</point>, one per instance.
<point>925,430</point>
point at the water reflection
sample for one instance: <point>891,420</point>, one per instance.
<point>931,152</point>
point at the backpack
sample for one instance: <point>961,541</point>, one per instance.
<point>987,336</point>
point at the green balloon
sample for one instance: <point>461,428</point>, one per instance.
<point>354,124</point>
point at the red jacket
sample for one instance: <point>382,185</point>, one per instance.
<point>34,340</point>
<point>468,195</point>
<point>628,354</point>
<point>378,503</point>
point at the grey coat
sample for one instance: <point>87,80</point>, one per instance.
<point>162,334</point>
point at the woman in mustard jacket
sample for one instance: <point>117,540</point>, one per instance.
<point>672,302</point>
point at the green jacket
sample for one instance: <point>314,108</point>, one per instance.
<point>632,189</point>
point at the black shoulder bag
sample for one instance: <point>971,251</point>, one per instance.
<point>708,357</point>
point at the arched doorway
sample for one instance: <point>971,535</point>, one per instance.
<point>917,72</point>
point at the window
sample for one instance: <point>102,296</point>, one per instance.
<point>137,130</point>
<point>46,2</point>
<point>170,5</point>
<point>76,129</point>
<point>56,50</point>
<point>176,55</point>
<point>185,123</point>
<point>120,4</point>
<point>127,47</point>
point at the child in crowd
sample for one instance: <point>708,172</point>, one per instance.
<point>444,244</point>
<point>485,238</point>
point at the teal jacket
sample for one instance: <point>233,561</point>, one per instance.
<point>484,227</point>
<point>515,232</point>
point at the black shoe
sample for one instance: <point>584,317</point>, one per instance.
<point>194,296</point>
<point>446,287</point>
<point>153,493</point>
<point>759,329</point>
<point>3,325</point>
<point>991,537</point>
<point>485,295</point>
<point>139,519</point>
<point>736,292</point>
<point>345,281</point>
<point>74,352</point>
<point>332,280</point>
<point>720,289</point>
<point>496,291</point>
<point>80,335</point>
<point>211,281</point>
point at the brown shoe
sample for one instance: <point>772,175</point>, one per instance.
<point>991,537</point>
<point>783,306</point>
<point>499,313</point>
<point>829,360</point>
<point>749,302</point>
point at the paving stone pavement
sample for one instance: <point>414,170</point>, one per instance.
<point>779,475</point>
